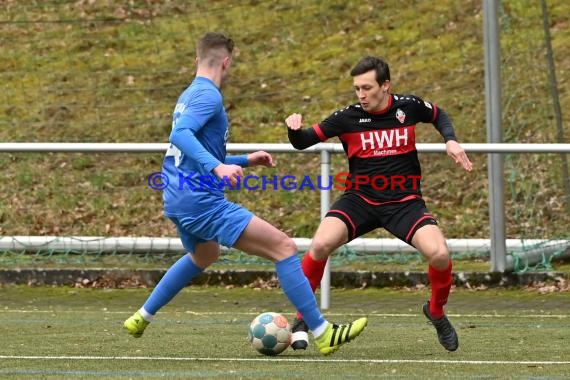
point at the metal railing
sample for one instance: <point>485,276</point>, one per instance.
<point>324,149</point>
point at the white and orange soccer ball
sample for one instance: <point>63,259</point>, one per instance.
<point>270,333</point>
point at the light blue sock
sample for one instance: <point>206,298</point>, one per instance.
<point>297,289</point>
<point>174,280</point>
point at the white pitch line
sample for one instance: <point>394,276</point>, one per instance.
<point>253,313</point>
<point>376,361</point>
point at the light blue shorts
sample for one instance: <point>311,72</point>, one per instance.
<point>224,223</point>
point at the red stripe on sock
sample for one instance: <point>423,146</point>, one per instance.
<point>440,281</point>
<point>313,270</point>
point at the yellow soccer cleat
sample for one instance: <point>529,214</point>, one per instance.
<point>135,325</point>
<point>337,335</point>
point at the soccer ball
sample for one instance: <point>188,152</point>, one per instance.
<point>270,333</point>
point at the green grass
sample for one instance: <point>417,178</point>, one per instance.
<point>59,332</point>
<point>111,72</point>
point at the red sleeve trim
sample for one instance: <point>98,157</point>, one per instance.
<point>434,112</point>
<point>319,132</point>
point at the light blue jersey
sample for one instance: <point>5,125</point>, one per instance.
<point>200,130</point>
<point>195,203</point>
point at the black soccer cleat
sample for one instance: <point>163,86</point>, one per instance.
<point>300,336</point>
<point>445,332</point>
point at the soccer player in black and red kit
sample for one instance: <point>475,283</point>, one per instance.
<point>382,188</point>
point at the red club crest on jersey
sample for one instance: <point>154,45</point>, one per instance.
<point>400,115</point>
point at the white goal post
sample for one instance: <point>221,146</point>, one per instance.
<point>173,245</point>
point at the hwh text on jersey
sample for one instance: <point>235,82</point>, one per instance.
<point>391,138</point>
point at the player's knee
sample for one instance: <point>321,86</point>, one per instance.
<point>439,257</point>
<point>321,248</point>
<point>290,245</point>
<point>285,245</point>
<point>204,259</point>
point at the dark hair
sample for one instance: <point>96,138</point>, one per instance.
<point>212,41</point>
<point>372,63</point>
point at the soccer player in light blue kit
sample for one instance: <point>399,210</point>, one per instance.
<point>199,171</point>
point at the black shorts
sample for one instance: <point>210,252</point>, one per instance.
<point>401,218</point>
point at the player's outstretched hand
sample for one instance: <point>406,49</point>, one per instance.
<point>294,121</point>
<point>260,158</point>
<point>455,151</point>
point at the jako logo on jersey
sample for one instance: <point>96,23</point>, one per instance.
<point>364,120</point>
<point>400,115</point>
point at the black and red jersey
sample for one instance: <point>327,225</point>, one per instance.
<point>381,147</point>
